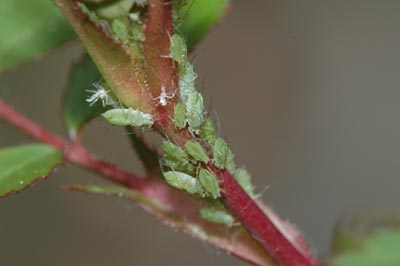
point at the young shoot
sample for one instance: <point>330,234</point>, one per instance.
<point>128,117</point>
<point>217,216</point>
<point>209,182</point>
<point>196,151</point>
<point>183,181</point>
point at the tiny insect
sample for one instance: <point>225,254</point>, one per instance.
<point>207,132</point>
<point>194,111</point>
<point>223,155</point>
<point>183,181</point>
<point>135,17</point>
<point>162,99</point>
<point>180,115</point>
<point>174,152</point>
<point>100,94</point>
<point>177,49</point>
<point>244,179</point>
<point>128,117</point>
<point>217,216</point>
<point>120,30</point>
<point>187,78</point>
<point>179,166</point>
<point>196,151</point>
<point>209,182</point>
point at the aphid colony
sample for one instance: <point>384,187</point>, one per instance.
<point>185,168</point>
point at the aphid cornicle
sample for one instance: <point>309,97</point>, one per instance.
<point>217,216</point>
<point>128,117</point>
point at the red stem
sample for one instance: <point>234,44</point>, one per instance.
<point>74,153</point>
<point>262,227</point>
<point>178,204</point>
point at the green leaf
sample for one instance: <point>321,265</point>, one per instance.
<point>367,240</point>
<point>29,28</point>
<point>76,109</point>
<point>199,17</point>
<point>21,166</point>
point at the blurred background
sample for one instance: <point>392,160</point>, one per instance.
<point>307,93</point>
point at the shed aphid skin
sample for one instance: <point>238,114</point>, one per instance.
<point>180,116</point>
<point>183,181</point>
<point>178,49</point>
<point>209,182</point>
<point>128,117</point>
<point>164,96</point>
<point>196,151</point>
<point>100,94</point>
<point>217,216</point>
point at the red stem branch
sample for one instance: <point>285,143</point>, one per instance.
<point>176,204</point>
<point>74,153</point>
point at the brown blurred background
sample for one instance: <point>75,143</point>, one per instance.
<point>307,92</point>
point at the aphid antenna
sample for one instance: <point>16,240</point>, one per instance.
<point>218,122</point>
<point>259,195</point>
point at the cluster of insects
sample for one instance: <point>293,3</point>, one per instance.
<point>188,167</point>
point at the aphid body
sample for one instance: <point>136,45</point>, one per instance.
<point>209,182</point>
<point>180,115</point>
<point>183,181</point>
<point>196,151</point>
<point>217,216</point>
<point>128,117</point>
<point>162,99</point>
<point>178,50</point>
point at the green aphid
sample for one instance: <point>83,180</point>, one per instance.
<point>120,30</point>
<point>177,49</point>
<point>223,155</point>
<point>187,78</point>
<point>137,32</point>
<point>207,131</point>
<point>217,216</point>
<point>180,116</point>
<point>92,15</point>
<point>183,181</point>
<point>244,179</point>
<point>230,164</point>
<point>209,182</point>
<point>196,151</point>
<point>174,152</point>
<point>220,152</point>
<point>184,167</point>
<point>128,117</point>
<point>194,111</point>
<point>116,9</point>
